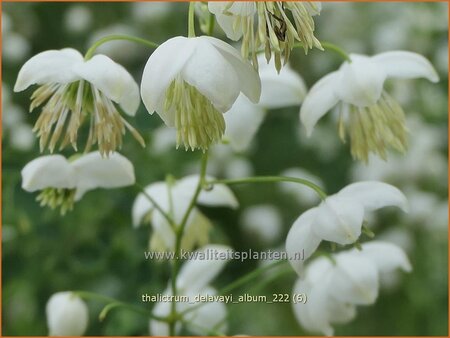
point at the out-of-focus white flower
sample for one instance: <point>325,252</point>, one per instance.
<point>374,120</point>
<point>174,198</point>
<point>78,19</point>
<point>302,194</point>
<point>148,12</point>
<point>263,222</point>
<point>274,32</point>
<point>193,280</point>
<point>339,218</point>
<point>424,159</point>
<point>22,137</point>
<point>335,288</point>
<point>63,182</point>
<point>278,90</point>
<point>67,315</point>
<point>71,90</point>
<point>191,82</point>
<point>16,48</point>
<point>163,139</point>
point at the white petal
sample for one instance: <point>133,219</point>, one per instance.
<point>165,63</point>
<point>279,90</point>
<point>142,205</point>
<point>52,66</point>
<point>200,270</point>
<point>319,100</point>
<point>406,65</point>
<point>243,121</point>
<point>210,316</point>
<point>242,8</point>
<point>113,80</point>
<point>354,279</point>
<point>340,312</point>
<point>386,256</point>
<point>159,328</point>
<point>339,220</point>
<point>301,239</point>
<point>313,315</point>
<point>361,81</point>
<point>212,74</point>
<point>51,171</point>
<point>94,171</point>
<point>67,315</point>
<point>225,21</point>
<point>250,83</point>
<point>219,195</point>
<point>375,195</point>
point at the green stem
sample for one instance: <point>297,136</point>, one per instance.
<point>191,21</point>
<point>108,38</point>
<point>168,218</point>
<point>266,179</point>
<point>212,22</point>
<point>179,237</point>
<point>332,47</point>
<point>114,303</point>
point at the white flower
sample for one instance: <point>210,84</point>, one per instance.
<point>375,121</point>
<point>193,279</point>
<point>335,287</point>
<point>64,181</point>
<point>174,198</point>
<point>72,90</point>
<point>339,218</point>
<point>262,222</point>
<point>67,315</point>
<point>78,19</point>
<point>190,82</point>
<point>278,90</point>
<point>274,32</point>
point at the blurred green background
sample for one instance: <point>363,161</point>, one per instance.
<point>95,247</point>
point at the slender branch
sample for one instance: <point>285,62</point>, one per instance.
<point>267,179</point>
<point>114,303</point>
<point>114,37</point>
<point>179,237</point>
<point>331,46</point>
<point>211,24</point>
<point>191,21</point>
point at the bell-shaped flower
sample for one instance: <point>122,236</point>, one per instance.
<point>335,286</point>
<point>193,280</point>
<point>67,315</point>
<point>71,90</point>
<point>278,90</point>
<point>191,82</point>
<point>275,32</point>
<point>63,181</point>
<point>339,218</point>
<point>371,117</point>
<point>174,199</point>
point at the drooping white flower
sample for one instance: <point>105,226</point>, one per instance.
<point>278,90</point>
<point>191,82</point>
<point>275,31</point>
<point>67,315</point>
<point>63,182</point>
<point>335,287</point>
<point>339,218</point>
<point>174,198</point>
<point>71,90</point>
<point>373,119</point>
<point>194,278</point>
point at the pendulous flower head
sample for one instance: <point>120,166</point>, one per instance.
<point>279,24</point>
<point>72,90</point>
<point>372,118</point>
<point>191,82</point>
<point>67,315</point>
<point>62,182</point>
<point>339,218</point>
<point>334,286</point>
